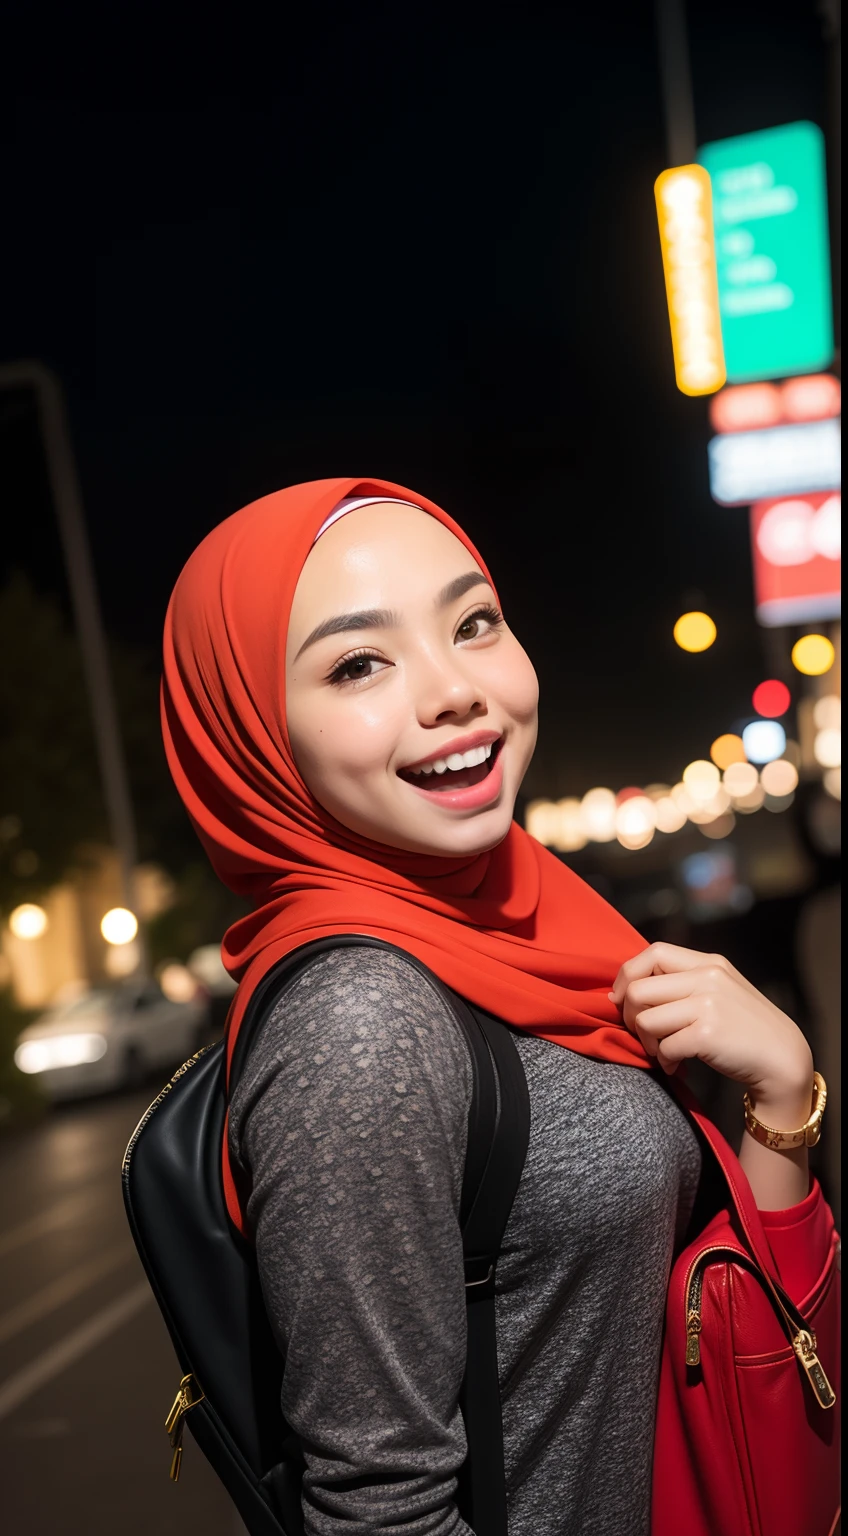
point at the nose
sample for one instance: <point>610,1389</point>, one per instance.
<point>446,691</point>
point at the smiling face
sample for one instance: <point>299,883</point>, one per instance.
<point>411,707</point>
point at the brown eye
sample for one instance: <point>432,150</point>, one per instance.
<point>484,622</point>
<point>360,666</point>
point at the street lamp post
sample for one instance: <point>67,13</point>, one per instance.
<point>67,499</point>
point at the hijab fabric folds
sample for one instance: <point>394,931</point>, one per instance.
<point>513,930</point>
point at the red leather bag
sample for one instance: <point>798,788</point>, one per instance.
<point>747,1438</point>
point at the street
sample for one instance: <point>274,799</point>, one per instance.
<point>87,1372</point>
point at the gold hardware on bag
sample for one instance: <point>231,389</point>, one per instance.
<point>804,1345</point>
<point>188,1396</point>
<point>802,1340</point>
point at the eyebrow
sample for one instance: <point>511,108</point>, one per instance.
<point>383,618</point>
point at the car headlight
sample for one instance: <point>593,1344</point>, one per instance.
<point>58,1051</point>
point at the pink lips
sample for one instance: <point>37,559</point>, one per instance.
<point>475,796</point>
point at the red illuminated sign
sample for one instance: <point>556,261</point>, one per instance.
<point>744,407</point>
<point>797,549</point>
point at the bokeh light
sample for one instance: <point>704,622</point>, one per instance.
<point>779,777</point>
<point>827,748</point>
<point>827,712</point>
<point>740,779</point>
<point>747,804</point>
<point>669,816</point>
<point>833,782</point>
<point>720,826</point>
<point>764,740</point>
<point>813,655</point>
<point>778,802</point>
<point>597,813</point>
<point>177,982</point>
<point>28,921</point>
<point>702,779</point>
<point>119,926</point>
<point>569,835</point>
<point>771,698</point>
<point>694,632</point>
<point>635,821</point>
<point>705,811</point>
<point>727,749</point>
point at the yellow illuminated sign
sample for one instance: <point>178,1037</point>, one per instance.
<point>685,213</point>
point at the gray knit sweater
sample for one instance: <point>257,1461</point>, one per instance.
<point>351,1117</point>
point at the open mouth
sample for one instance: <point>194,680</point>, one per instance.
<point>460,770</point>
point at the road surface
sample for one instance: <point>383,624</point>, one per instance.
<point>87,1372</point>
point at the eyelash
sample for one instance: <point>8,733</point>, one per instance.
<point>337,678</point>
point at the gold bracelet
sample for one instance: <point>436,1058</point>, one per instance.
<point>807,1136</point>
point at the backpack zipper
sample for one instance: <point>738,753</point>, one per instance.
<point>802,1339</point>
<point>189,1392</point>
<point>180,1072</point>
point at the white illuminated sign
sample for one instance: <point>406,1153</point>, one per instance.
<point>776,461</point>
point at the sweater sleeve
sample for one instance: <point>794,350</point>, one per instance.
<point>351,1119</point>
<point>800,1239</point>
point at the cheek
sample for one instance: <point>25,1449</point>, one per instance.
<point>515,685</point>
<point>343,738</point>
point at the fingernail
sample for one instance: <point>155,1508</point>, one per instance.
<point>611,996</point>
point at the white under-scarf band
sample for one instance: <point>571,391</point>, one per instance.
<point>350,504</point>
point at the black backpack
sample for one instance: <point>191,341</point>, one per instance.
<point>205,1280</point>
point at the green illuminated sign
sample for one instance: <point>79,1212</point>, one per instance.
<point>770,216</point>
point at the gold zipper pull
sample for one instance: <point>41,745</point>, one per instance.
<point>177,1458</point>
<point>188,1396</point>
<point>693,1340</point>
<point>804,1345</point>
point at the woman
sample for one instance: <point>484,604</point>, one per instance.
<point>349,718</point>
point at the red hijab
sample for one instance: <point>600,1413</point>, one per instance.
<point>513,930</point>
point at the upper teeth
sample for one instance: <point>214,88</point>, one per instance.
<point>456,760</point>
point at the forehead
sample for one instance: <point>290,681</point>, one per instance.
<point>376,556</point>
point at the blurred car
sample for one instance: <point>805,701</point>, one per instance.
<point>111,1037</point>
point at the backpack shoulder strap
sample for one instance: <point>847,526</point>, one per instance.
<point>496,1149</point>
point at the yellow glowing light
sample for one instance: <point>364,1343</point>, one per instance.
<point>28,921</point>
<point>827,749</point>
<point>702,779</point>
<point>694,632</point>
<point>670,817</point>
<point>813,655</point>
<point>779,777</point>
<point>740,779</point>
<point>726,750</point>
<point>597,812</point>
<point>833,782</point>
<point>685,214</point>
<point>119,926</point>
<point>827,712</point>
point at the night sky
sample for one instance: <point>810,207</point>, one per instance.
<point>404,240</point>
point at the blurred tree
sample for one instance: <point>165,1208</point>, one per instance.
<point>51,803</point>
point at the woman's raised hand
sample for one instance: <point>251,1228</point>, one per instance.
<point>680,1004</point>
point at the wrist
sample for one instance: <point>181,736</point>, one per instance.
<point>784,1107</point>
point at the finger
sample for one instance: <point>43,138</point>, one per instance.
<point>657,1023</point>
<point>683,1045</point>
<point>656,960</point>
<point>651,990</point>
